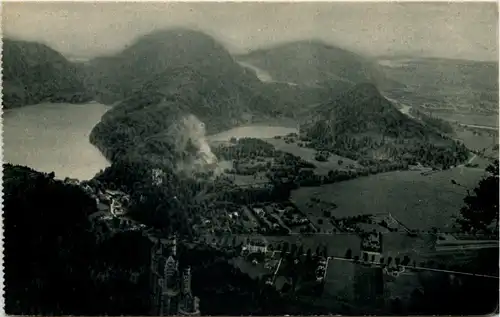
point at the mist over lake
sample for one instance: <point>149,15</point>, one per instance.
<point>54,137</point>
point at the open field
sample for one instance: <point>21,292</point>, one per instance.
<point>308,154</point>
<point>475,141</point>
<point>481,162</point>
<point>419,202</point>
<point>469,118</point>
<point>253,270</point>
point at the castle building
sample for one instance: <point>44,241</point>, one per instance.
<point>170,288</point>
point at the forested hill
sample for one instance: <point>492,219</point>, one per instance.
<point>33,73</point>
<point>319,64</point>
<point>362,124</point>
<point>153,56</point>
<point>165,76</point>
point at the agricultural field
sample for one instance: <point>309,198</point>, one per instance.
<point>339,279</point>
<point>417,201</point>
<point>478,162</point>
<point>476,141</point>
<point>469,118</point>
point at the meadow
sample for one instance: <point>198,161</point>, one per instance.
<point>419,202</point>
<point>476,141</point>
<point>308,155</point>
<point>469,118</point>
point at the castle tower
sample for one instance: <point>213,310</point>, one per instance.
<point>174,246</point>
<point>190,303</point>
<point>165,283</point>
<point>170,270</point>
<point>186,281</point>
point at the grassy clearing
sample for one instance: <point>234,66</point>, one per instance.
<point>253,270</point>
<point>308,154</point>
<point>476,142</point>
<point>475,119</point>
<point>419,202</point>
<point>481,162</point>
<point>339,277</point>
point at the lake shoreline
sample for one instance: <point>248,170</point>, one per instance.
<point>54,137</point>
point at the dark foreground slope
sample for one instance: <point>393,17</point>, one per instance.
<point>318,64</point>
<point>53,262</point>
<point>362,124</point>
<point>164,77</point>
<point>34,73</point>
<point>43,221</point>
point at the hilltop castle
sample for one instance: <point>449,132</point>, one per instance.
<point>170,287</point>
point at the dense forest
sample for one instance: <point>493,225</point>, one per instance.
<point>361,124</point>
<point>52,262</point>
<point>432,121</point>
<point>480,212</point>
<point>33,73</point>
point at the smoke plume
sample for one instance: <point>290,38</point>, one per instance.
<point>190,142</point>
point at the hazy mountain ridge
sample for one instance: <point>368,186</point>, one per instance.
<point>168,75</point>
<point>317,63</point>
<point>113,78</point>
<point>34,73</point>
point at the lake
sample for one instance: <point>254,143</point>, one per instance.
<point>54,138</point>
<point>252,131</point>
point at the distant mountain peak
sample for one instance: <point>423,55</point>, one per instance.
<point>317,63</point>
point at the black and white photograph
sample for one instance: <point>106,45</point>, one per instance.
<point>250,158</point>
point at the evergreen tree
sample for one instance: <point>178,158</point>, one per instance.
<point>481,206</point>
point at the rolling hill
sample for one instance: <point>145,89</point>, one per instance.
<point>362,124</point>
<point>114,78</point>
<point>34,73</point>
<point>315,63</point>
<point>164,78</point>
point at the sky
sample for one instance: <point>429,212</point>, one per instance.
<point>463,30</point>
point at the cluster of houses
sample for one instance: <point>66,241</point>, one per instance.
<point>266,218</point>
<point>111,215</point>
<point>372,242</point>
<point>290,216</point>
<point>255,246</point>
